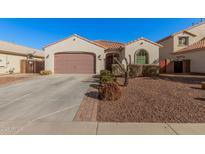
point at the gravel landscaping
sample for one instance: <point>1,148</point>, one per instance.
<point>7,79</point>
<point>161,99</point>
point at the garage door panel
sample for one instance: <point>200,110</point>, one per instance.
<point>66,63</point>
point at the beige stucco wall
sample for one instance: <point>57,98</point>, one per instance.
<point>197,60</point>
<point>199,31</point>
<point>74,44</point>
<point>153,51</point>
<point>176,41</point>
<point>164,52</point>
<point>8,62</point>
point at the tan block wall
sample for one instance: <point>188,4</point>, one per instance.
<point>164,52</point>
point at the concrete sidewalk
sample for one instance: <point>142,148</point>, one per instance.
<point>96,128</point>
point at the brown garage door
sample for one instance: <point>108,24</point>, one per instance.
<point>79,63</point>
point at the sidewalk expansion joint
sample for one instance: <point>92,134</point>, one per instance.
<point>172,129</point>
<point>97,128</point>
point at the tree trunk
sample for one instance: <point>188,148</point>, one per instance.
<point>126,78</point>
<point>125,70</point>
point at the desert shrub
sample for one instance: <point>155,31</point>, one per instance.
<point>136,70</point>
<point>150,70</point>
<point>106,77</point>
<point>109,91</point>
<point>45,72</point>
<point>144,70</point>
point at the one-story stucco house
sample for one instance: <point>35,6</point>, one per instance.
<point>184,51</point>
<point>12,54</point>
<point>77,55</point>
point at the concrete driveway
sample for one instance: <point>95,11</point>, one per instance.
<point>53,98</point>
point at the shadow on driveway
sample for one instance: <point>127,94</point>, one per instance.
<point>93,94</point>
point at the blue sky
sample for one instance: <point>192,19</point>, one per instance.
<point>37,33</point>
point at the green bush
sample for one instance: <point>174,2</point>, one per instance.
<point>45,72</point>
<point>105,73</point>
<point>106,77</point>
<point>136,70</point>
<point>150,70</point>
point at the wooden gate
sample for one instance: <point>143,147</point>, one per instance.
<point>32,66</point>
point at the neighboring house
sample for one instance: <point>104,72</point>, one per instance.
<point>196,54</point>
<point>177,50</point>
<point>11,55</point>
<point>75,54</point>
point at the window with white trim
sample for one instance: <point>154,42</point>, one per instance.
<point>183,40</point>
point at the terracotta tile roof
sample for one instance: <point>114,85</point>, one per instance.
<point>144,39</point>
<point>110,45</point>
<point>194,47</point>
<point>184,31</point>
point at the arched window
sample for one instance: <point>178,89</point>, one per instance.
<point>141,57</point>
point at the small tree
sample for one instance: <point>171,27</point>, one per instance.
<point>124,69</point>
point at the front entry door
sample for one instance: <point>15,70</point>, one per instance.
<point>178,67</point>
<point>110,60</point>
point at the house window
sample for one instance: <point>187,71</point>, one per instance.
<point>141,57</point>
<point>183,40</point>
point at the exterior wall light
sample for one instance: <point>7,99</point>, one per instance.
<point>99,57</point>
